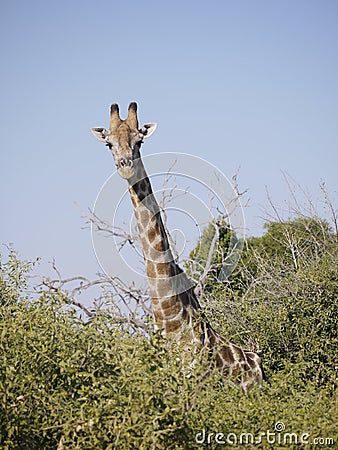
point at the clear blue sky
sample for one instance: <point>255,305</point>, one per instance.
<point>240,83</point>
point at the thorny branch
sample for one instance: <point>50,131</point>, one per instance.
<point>306,211</point>
<point>208,265</point>
<point>130,305</point>
<point>110,230</point>
<point>333,212</point>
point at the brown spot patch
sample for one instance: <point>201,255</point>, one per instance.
<point>172,325</point>
<point>237,352</point>
<point>151,234</point>
<point>163,287</point>
<point>151,273</point>
<point>159,316</point>
<point>162,268</point>
<point>171,306</point>
<point>144,217</point>
<point>251,360</point>
<point>143,186</point>
<point>245,367</point>
<point>159,246</point>
<point>152,254</point>
<point>227,354</point>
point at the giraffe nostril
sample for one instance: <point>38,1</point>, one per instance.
<point>125,162</point>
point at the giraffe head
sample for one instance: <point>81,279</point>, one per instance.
<point>124,138</point>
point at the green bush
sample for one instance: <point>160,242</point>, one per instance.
<point>283,297</point>
<point>67,383</point>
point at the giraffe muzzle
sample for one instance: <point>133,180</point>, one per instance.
<point>125,167</point>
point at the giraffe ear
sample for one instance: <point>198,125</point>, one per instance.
<point>100,133</point>
<point>148,129</point>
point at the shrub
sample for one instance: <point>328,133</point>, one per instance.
<point>67,383</point>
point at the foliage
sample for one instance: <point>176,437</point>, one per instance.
<point>67,383</point>
<point>282,298</point>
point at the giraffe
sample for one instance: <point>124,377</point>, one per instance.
<point>176,310</point>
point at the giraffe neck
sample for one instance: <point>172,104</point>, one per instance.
<point>173,300</point>
<point>175,306</point>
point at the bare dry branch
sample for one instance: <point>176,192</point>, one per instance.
<point>125,304</point>
<point>208,265</point>
<point>109,230</point>
<point>333,212</point>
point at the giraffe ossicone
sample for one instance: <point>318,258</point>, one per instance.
<point>176,309</point>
